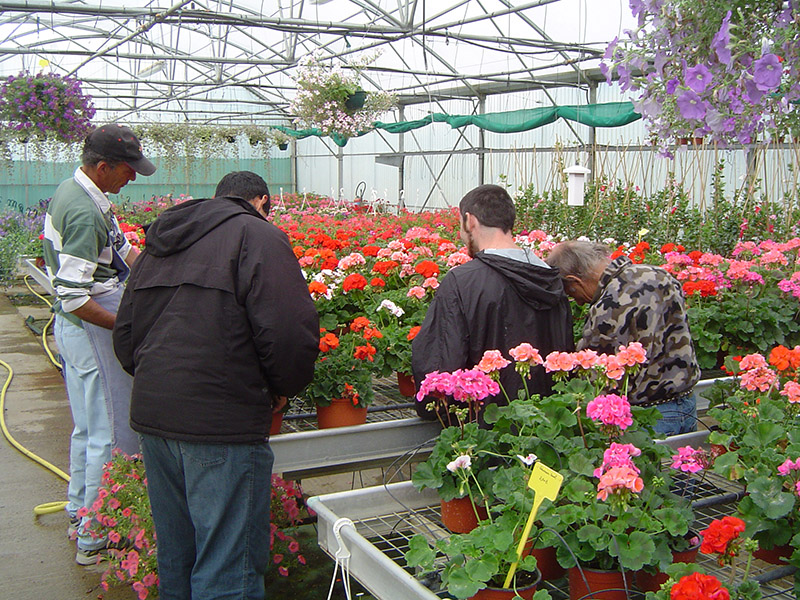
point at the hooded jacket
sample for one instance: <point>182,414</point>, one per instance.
<point>215,321</point>
<point>493,303</point>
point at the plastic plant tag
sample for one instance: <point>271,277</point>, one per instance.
<point>545,483</point>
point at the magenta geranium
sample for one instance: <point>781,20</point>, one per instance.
<point>611,410</point>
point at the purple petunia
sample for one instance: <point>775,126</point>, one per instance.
<point>767,72</point>
<point>691,105</point>
<point>698,78</point>
<point>722,41</point>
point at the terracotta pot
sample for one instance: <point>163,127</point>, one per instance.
<point>683,141</point>
<point>774,555</point>
<point>698,141</point>
<point>546,562</point>
<point>406,384</point>
<point>277,421</point>
<point>651,582</point>
<point>603,585</point>
<point>458,515</point>
<point>340,413</point>
<point>526,592</point>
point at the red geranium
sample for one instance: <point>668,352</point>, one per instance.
<point>328,342</point>
<point>384,266</point>
<point>699,587</point>
<point>427,268</point>
<point>354,281</point>
<point>365,352</point>
<point>719,535</point>
<point>370,250</point>
<point>377,282</point>
<point>413,332</point>
<point>704,286</point>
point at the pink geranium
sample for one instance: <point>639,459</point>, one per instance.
<point>760,378</point>
<point>492,361</point>
<point>473,386</point>
<point>791,389</point>
<point>416,292</point>
<point>618,479</point>
<point>614,368</point>
<point>618,455</point>
<point>526,353</point>
<point>610,409</point>
<point>587,359</point>
<point>559,361</point>
<point>788,466</point>
<point>689,460</point>
<point>632,354</point>
<point>753,361</point>
<point>436,384</point>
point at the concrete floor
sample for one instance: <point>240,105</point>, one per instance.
<point>36,558</point>
<point>37,561</point>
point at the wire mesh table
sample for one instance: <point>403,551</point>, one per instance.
<point>375,525</point>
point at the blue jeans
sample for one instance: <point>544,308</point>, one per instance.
<point>210,506</point>
<point>678,416</point>
<point>90,443</point>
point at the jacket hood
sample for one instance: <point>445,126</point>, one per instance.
<point>539,287</point>
<point>181,226</point>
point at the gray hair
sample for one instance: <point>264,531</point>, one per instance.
<point>578,258</point>
<point>90,158</point>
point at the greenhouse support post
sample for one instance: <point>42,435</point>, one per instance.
<point>401,170</point>
<point>592,131</point>
<point>481,142</point>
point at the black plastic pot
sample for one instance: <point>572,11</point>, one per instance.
<point>356,100</point>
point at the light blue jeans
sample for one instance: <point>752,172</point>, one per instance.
<point>210,506</point>
<point>678,416</point>
<point>99,394</point>
<point>90,444</point>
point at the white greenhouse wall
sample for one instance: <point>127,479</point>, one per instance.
<point>529,158</point>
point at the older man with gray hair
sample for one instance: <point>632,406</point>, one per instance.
<point>636,303</point>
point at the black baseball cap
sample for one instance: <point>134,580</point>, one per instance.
<point>117,142</point>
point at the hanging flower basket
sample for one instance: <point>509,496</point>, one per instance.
<point>331,99</point>
<point>47,106</point>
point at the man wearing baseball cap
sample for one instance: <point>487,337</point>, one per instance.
<point>88,258</point>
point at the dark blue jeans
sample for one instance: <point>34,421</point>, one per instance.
<point>210,506</point>
<point>678,416</point>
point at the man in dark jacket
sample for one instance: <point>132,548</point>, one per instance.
<point>217,328</point>
<point>503,297</point>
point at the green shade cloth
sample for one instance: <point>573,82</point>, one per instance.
<point>612,114</point>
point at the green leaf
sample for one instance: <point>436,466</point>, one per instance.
<point>767,494</point>
<point>425,477</point>
<point>634,551</point>
<point>460,584</point>
<point>579,463</point>
<point>420,554</point>
<point>483,569</point>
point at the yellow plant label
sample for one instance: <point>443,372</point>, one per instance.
<point>545,482</point>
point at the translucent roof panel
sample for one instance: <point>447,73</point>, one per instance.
<point>233,61</point>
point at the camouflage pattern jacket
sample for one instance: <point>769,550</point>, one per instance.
<point>643,303</point>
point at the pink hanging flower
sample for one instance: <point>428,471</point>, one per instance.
<point>610,409</point>
<point>131,562</point>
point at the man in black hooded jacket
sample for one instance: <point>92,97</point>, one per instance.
<point>503,297</point>
<point>217,327</point>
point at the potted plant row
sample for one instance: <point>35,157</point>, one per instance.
<point>615,514</point>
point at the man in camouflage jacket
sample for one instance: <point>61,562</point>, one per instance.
<point>636,303</point>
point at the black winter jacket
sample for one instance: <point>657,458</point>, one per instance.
<point>215,320</point>
<point>493,303</point>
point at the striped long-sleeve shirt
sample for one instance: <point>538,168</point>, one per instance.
<point>79,233</point>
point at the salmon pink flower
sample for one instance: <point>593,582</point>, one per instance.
<point>526,353</point>
<point>632,354</point>
<point>492,361</point>
<point>791,389</point>
<point>587,359</point>
<point>618,479</point>
<point>559,361</point>
<point>618,455</point>
<point>416,292</point>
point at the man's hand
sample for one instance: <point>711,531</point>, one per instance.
<point>278,403</point>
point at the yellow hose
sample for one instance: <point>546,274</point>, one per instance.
<point>44,329</point>
<point>48,507</point>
